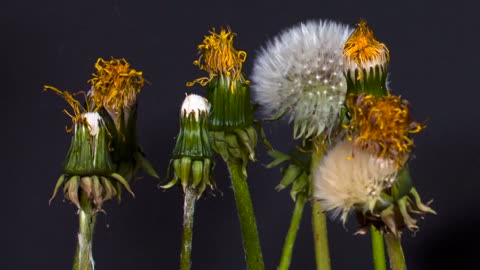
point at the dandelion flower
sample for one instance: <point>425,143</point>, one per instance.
<point>219,57</point>
<point>300,72</point>
<point>382,125</point>
<point>115,86</point>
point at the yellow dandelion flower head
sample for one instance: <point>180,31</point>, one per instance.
<point>218,56</point>
<point>77,109</point>
<point>362,50</point>
<point>382,125</point>
<point>116,84</point>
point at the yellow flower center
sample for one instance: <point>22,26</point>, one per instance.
<point>381,125</point>
<point>218,56</point>
<point>363,49</point>
<point>115,85</point>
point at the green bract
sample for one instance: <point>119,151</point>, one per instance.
<point>192,156</point>
<point>231,119</point>
<point>371,80</point>
<point>89,167</point>
<point>394,211</point>
<point>126,153</point>
<point>230,103</point>
<point>296,172</point>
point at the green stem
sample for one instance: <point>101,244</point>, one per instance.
<point>378,250</point>
<point>188,211</point>
<point>320,237</point>
<point>292,233</point>
<point>319,220</point>
<point>87,217</point>
<point>248,224</point>
<point>395,252</point>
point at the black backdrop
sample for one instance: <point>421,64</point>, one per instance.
<point>434,51</point>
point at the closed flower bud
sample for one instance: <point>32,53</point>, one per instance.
<point>88,165</point>
<point>300,73</point>
<point>88,151</point>
<point>366,62</point>
<point>192,156</point>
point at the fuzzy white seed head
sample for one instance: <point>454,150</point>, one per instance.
<point>301,72</point>
<point>348,176</point>
<point>93,120</point>
<point>196,104</point>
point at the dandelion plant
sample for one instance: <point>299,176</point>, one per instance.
<point>231,126</point>
<point>104,154</point>
<point>367,172</point>
<point>192,165</point>
<point>300,74</point>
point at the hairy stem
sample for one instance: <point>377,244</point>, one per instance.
<point>378,250</point>
<point>320,237</point>
<point>248,224</point>
<point>292,233</point>
<point>188,211</point>
<point>395,252</point>
<point>319,220</point>
<point>87,217</point>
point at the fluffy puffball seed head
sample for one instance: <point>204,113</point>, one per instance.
<point>349,177</point>
<point>93,120</point>
<point>301,72</point>
<point>196,104</point>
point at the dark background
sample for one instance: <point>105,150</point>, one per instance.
<point>434,52</point>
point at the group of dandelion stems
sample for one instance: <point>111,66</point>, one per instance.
<point>330,80</point>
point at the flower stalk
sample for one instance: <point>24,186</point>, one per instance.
<point>378,250</point>
<point>395,252</point>
<point>320,237</point>
<point>87,217</point>
<point>248,223</point>
<point>286,258</point>
<point>296,174</point>
<point>319,220</point>
<point>187,235</point>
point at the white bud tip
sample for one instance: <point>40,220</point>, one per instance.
<point>195,103</point>
<point>93,120</point>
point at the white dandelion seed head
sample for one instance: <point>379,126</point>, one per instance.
<point>196,104</point>
<point>349,176</point>
<point>93,120</point>
<point>301,72</point>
